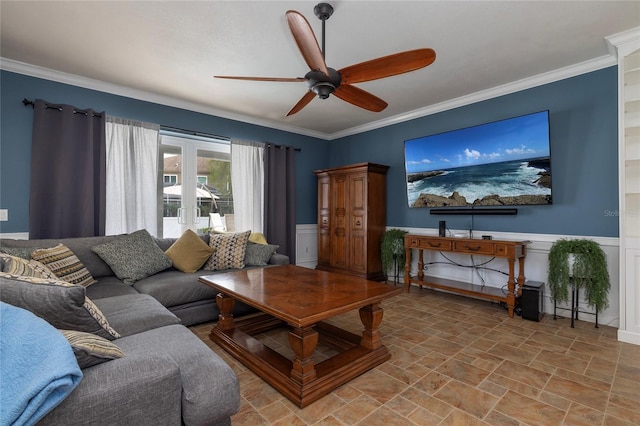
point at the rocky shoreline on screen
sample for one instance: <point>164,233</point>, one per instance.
<point>457,200</point>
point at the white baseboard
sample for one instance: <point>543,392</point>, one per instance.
<point>629,337</point>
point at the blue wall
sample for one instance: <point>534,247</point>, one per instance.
<point>584,157</point>
<point>583,122</point>
<point>17,120</point>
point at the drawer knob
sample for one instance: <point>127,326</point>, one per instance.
<point>432,244</point>
<point>468,247</point>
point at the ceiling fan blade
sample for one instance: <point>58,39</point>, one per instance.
<point>387,66</point>
<point>308,97</point>
<point>261,78</point>
<point>359,97</point>
<point>306,41</point>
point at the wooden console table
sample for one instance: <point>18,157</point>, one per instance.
<point>510,250</point>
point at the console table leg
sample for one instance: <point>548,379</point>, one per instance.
<point>303,341</point>
<point>511,288</point>
<point>407,268</point>
<point>225,305</point>
<point>371,317</point>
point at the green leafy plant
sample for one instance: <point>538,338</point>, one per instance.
<point>589,271</point>
<point>392,248</point>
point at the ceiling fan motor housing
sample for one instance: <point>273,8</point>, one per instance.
<point>321,84</point>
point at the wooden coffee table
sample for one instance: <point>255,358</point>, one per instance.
<point>300,298</point>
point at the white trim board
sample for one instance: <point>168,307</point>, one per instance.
<point>516,86</point>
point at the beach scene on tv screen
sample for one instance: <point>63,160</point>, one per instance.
<point>503,163</point>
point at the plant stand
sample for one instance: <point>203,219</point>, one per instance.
<point>575,298</point>
<point>396,269</point>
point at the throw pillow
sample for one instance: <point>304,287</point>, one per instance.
<point>189,252</point>
<point>28,268</point>
<point>90,349</point>
<point>258,237</point>
<point>61,304</point>
<point>259,254</point>
<point>229,251</point>
<point>66,265</point>
<point>133,257</point>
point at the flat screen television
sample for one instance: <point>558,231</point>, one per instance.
<point>502,163</point>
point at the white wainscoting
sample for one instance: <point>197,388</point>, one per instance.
<point>536,265</point>
<point>307,245</point>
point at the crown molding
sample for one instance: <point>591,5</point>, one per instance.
<point>114,89</point>
<point>621,44</point>
<point>516,86</point>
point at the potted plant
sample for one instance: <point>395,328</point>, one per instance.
<point>392,250</point>
<point>580,263</point>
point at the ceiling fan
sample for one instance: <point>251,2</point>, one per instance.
<point>323,81</point>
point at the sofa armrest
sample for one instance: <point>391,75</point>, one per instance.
<point>130,390</point>
<point>279,259</point>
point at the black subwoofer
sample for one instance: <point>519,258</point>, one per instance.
<point>532,300</point>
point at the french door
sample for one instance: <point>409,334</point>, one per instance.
<point>196,184</point>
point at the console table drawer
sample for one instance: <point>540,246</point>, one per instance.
<point>473,247</point>
<point>433,244</point>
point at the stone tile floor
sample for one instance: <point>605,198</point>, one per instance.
<point>461,361</point>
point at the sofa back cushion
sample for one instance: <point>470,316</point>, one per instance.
<point>81,247</point>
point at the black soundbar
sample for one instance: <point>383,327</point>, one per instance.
<point>502,211</point>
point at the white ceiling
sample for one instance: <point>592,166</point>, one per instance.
<point>168,51</point>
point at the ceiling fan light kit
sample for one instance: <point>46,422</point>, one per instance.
<point>324,81</point>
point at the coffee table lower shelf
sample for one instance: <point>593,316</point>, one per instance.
<point>276,369</point>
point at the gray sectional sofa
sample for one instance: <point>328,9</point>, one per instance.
<point>168,376</point>
<point>180,292</point>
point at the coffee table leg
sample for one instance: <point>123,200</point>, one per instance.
<point>303,341</point>
<point>371,317</point>
<point>225,305</point>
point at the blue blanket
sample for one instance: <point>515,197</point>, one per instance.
<point>37,366</point>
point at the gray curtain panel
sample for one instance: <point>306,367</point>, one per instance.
<point>280,198</point>
<point>67,172</point>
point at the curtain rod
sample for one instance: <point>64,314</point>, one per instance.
<point>28,102</point>
<point>31,103</point>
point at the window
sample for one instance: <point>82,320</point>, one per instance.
<point>196,182</point>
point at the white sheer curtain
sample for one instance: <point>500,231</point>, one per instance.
<point>131,176</point>
<point>247,181</point>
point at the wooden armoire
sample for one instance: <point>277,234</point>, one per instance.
<point>352,218</point>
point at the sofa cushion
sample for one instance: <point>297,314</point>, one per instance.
<point>258,254</point>
<point>61,304</point>
<point>229,251</point>
<point>28,268</point>
<point>133,256</point>
<point>23,252</point>
<point>210,390</point>
<point>135,313</point>
<point>142,388</point>
<point>64,264</point>
<point>172,288</point>
<point>90,349</point>
<point>189,252</point>
<point>109,287</point>
<point>81,247</point>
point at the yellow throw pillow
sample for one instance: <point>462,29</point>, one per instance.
<point>258,238</point>
<point>189,252</point>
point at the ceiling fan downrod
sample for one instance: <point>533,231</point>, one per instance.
<point>323,11</point>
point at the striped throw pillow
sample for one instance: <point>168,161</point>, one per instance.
<point>66,265</point>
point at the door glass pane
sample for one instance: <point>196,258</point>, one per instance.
<point>172,191</point>
<point>214,196</point>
